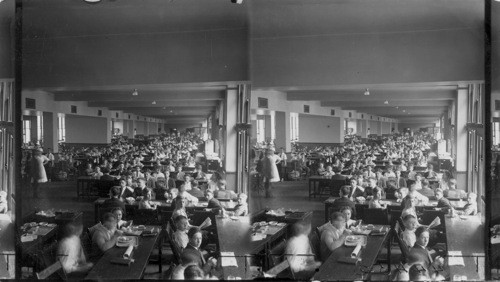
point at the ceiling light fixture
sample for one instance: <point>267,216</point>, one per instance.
<point>135,93</point>
<point>92,1</point>
<point>404,111</point>
<point>386,102</point>
<point>154,102</point>
<point>396,107</point>
<point>367,92</point>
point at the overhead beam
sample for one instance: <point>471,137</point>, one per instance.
<point>162,112</point>
<point>154,109</point>
<point>147,104</point>
<point>156,95</point>
<point>392,103</point>
<point>332,96</point>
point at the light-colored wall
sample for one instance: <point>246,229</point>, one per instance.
<point>319,129</point>
<point>85,129</point>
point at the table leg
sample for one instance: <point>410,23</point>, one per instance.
<point>159,256</point>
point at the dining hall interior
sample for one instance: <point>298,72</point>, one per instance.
<point>324,140</point>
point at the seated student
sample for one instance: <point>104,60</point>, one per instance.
<point>443,203</point>
<point>3,202</point>
<point>194,272</point>
<point>70,250</point>
<point>222,193</point>
<point>180,235</point>
<point>213,203</point>
<point>332,235</point>
<point>104,236</point>
<point>150,180</point>
<point>139,190</point>
<point>347,212</point>
<point>193,247</point>
<point>89,171</point>
<point>409,203</point>
<point>422,253</point>
<point>190,198</point>
<point>171,194</point>
<point>195,190</point>
<point>416,193</point>
<point>105,175</point>
<point>180,207</point>
<point>187,182</point>
<point>429,173</point>
<point>180,173</point>
<point>372,184</point>
<point>199,174</point>
<point>136,173</point>
<point>114,199</point>
<point>321,169</point>
<point>356,189</point>
<point>187,259</point>
<point>374,203</point>
<point>426,190</point>
<point>418,181</point>
<point>453,192</point>
<point>118,212</point>
<point>145,203</point>
<point>403,274</point>
<point>401,194</point>
<point>471,207</point>
<point>411,172</point>
<point>299,253</point>
<point>381,179</point>
<point>408,236</point>
<point>213,182</point>
<point>97,172</point>
<point>241,209</point>
<point>344,200</point>
<point>126,192</point>
<point>157,172</point>
<point>400,181</point>
<point>329,172</point>
<point>391,190</point>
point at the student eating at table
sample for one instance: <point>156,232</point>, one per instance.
<point>347,212</point>
<point>193,247</point>
<point>105,175</point>
<point>411,172</point>
<point>409,203</point>
<point>104,236</point>
<point>372,184</point>
<point>332,234</point>
<point>299,253</point>
<point>180,173</point>
<point>71,253</point>
<point>145,203</point>
<point>241,208</point>
<point>400,181</point>
<point>214,180</point>
<point>429,173</point>
<point>139,190</point>
<point>120,223</point>
<point>418,181</point>
<point>321,169</point>
<point>195,190</point>
<point>329,172</point>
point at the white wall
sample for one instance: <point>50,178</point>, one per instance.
<point>84,129</point>
<point>320,129</point>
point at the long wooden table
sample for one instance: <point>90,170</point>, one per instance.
<point>235,236</point>
<point>105,270</point>
<point>466,235</point>
<point>333,270</point>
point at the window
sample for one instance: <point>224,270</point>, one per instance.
<point>262,103</point>
<point>261,130</point>
<point>30,103</point>
<point>332,112</point>
<point>39,129</point>
<point>306,108</point>
<point>73,109</point>
<point>61,128</point>
<point>26,131</point>
<point>99,113</point>
<point>294,127</point>
<point>496,131</point>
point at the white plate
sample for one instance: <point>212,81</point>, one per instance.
<point>263,223</point>
<point>273,223</point>
<point>281,224</point>
<point>234,217</point>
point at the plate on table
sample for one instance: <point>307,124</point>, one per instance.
<point>263,223</point>
<point>463,217</point>
<point>43,223</point>
<point>51,225</point>
<point>281,224</point>
<point>124,241</point>
<point>273,223</point>
<point>353,240</point>
<point>141,227</point>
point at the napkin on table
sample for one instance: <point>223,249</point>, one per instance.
<point>228,259</point>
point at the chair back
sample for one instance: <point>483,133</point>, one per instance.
<point>394,217</point>
<point>336,184</point>
<point>360,208</point>
<point>165,217</point>
<point>47,272</point>
<point>176,249</point>
<point>429,215</point>
<point>86,241</point>
<point>405,250</point>
<point>315,241</point>
<point>375,216</point>
<point>103,187</point>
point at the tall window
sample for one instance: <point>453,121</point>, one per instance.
<point>261,130</point>
<point>26,131</point>
<point>39,129</point>
<point>61,128</point>
<point>294,126</point>
<point>496,132</point>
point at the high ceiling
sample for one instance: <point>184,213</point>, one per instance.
<point>63,21</point>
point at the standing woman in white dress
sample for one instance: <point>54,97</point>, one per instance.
<point>270,170</point>
<point>38,170</point>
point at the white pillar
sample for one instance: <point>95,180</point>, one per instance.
<point>461,110</point>
<point>230,157</point>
